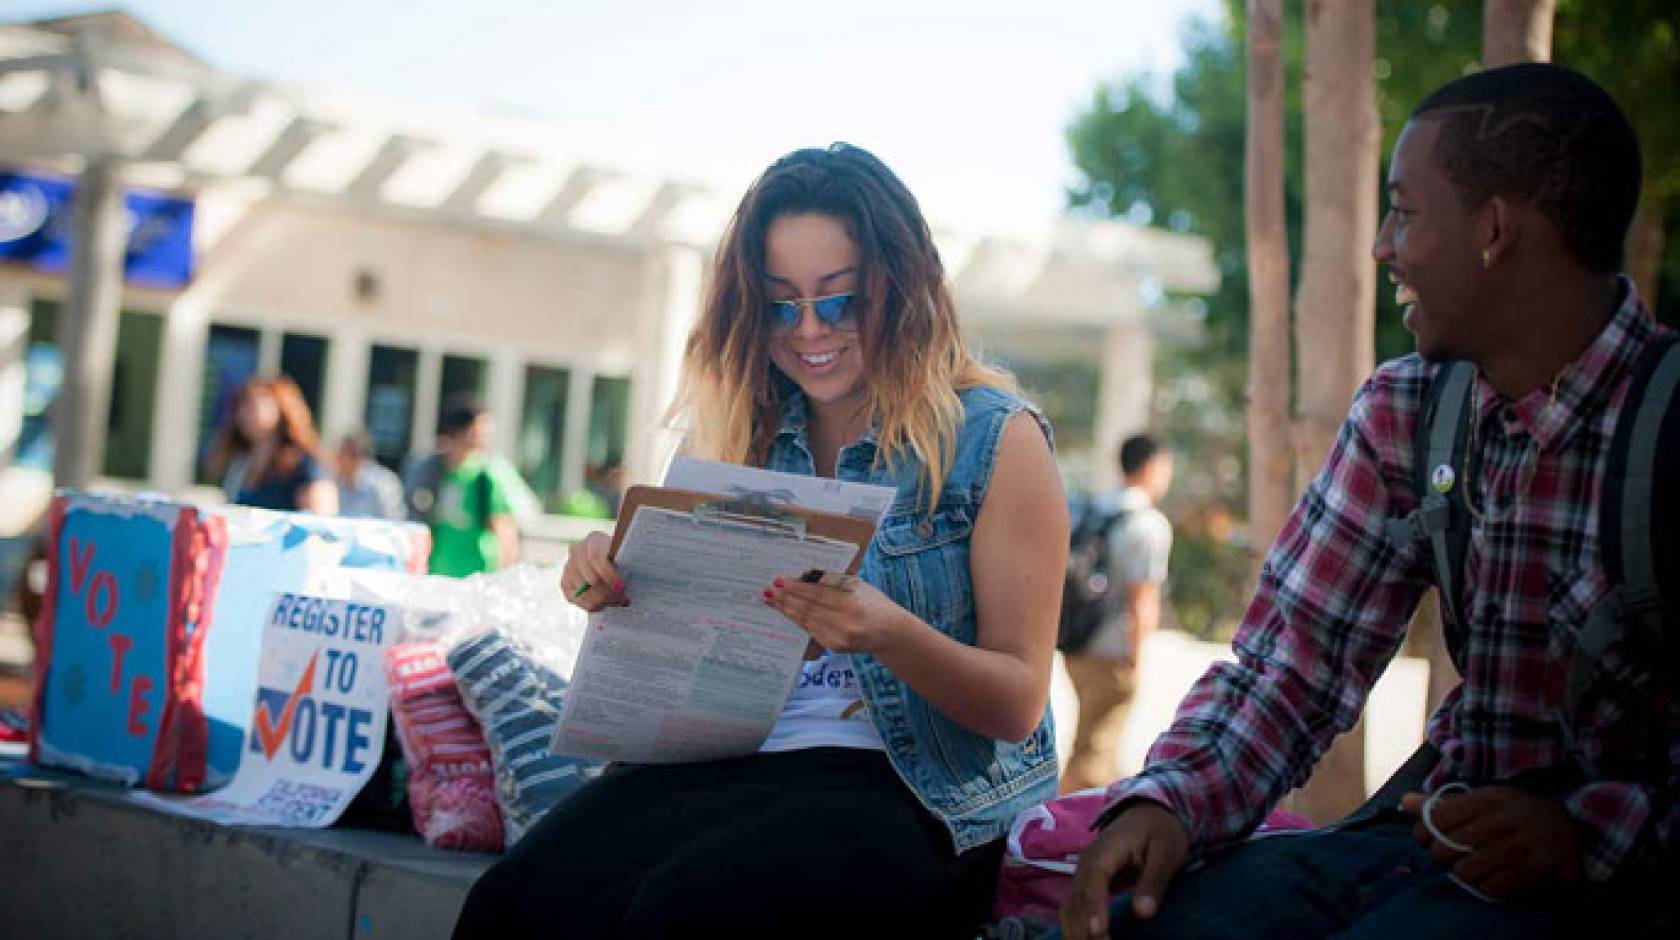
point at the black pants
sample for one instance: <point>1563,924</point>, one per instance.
<point>821,842</point>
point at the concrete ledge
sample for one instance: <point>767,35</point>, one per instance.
<point>82,860</point>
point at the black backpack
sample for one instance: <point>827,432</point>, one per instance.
<point>1089,596</point>
<point>1639,524</point>
<point>425,482</point>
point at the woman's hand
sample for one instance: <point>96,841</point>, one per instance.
<point>590,580</point>
<point>856,619</point>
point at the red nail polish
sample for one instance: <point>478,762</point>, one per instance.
<point>618,587</point>
<point>768,594</point>
<point>779,583</point>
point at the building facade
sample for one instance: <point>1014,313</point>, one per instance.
<point>388,258</point>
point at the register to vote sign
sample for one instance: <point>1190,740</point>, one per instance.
<point>317,725</point>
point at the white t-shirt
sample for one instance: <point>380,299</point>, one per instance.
<point>1138,547</point>
<point>826,709</point>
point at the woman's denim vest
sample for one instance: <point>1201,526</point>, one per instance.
<point>974,784</point>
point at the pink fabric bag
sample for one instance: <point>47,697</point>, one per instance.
<point>1043,850</point>
<point>451,784</point>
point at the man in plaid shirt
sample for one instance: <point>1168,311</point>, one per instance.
<point>1511,193</point>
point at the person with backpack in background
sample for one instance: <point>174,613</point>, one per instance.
<point>461,494</point>
<point>1111,602</point>
<point>1546,801</point>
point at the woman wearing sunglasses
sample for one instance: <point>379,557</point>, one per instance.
<point>829,345</point>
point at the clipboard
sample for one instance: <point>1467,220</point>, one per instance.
<point>758,511</point>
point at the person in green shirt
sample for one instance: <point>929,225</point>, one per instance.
<point>470,513</point>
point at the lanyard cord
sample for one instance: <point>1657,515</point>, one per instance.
<point>1473,416</point>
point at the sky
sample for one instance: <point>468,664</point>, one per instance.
<point>968,100</point>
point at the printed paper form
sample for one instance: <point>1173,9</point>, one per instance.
<point>698,666</point>
<point>821,494</point>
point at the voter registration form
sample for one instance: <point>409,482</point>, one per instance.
<point>698,666</point>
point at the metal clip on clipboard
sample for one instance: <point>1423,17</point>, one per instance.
<point>752,510</point>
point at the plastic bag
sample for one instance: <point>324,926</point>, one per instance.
<point>523,601</point>
<point>511,641</point>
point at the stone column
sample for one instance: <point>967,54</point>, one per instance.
<point>14,349</point>
<point>87,328</point>
<point>428,377</point>
<point>1126,385</point>
<point>186,338</point>
<point>574,449</point>
<point>674,280</point>
<point>346,391</point>
<point>504,396</point>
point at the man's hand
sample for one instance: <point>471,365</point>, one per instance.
<point>1517,840</point>
<point>1145,844</point>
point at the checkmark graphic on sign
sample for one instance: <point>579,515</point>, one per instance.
<point>272,734</point>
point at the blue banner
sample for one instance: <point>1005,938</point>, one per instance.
<point>35,229</point>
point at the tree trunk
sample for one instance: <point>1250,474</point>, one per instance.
<point>1516,31</point>
<point>1645,248</point>
<point>1269,486</point>
<point>87,329</point>
<point>1337,299</point>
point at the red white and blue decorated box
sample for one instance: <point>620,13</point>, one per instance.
<point>150,637</point>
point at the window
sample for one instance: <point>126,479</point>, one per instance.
<point>230,360</point>
<point>303,359</point>
<point>461,376</point>
<point>542,431</point>
<point>609,424</point>
<point>390,402</point>
<point>134,380</point>
<point>43,373</point>
<point>128,443</point>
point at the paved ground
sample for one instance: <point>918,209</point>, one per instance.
<point>1173,661</point>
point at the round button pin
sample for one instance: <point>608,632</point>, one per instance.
<point>1443,478</point>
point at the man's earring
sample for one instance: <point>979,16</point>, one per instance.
<point>1487,258</point>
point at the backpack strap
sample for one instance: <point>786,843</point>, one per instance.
<point>1639,445</point>
<point>1645,448</point>
<point>1409,778</point>
<point>481,497</point>
<point>1632,530</point>
<point>1441,519</point>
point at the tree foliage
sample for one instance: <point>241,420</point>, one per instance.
<point>1176,157</point>
<point>1170,152</point>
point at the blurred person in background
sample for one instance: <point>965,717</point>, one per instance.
<point>465,496</point>
<point>366,488</point>
<point>267,454</point>
<point>598,498</point>
<point>1104,671</point>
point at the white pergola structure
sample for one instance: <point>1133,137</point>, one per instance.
<point>381,220</point>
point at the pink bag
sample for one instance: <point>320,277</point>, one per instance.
<point>1044,845</point>
<point>451,783</point>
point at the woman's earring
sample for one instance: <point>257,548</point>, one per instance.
<point>1487,258</point>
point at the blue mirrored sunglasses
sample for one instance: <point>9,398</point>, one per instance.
<point>835,310</point>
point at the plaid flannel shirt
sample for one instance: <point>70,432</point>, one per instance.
<point>1335,597</point>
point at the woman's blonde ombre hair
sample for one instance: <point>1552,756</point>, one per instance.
<point>731,396</point>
